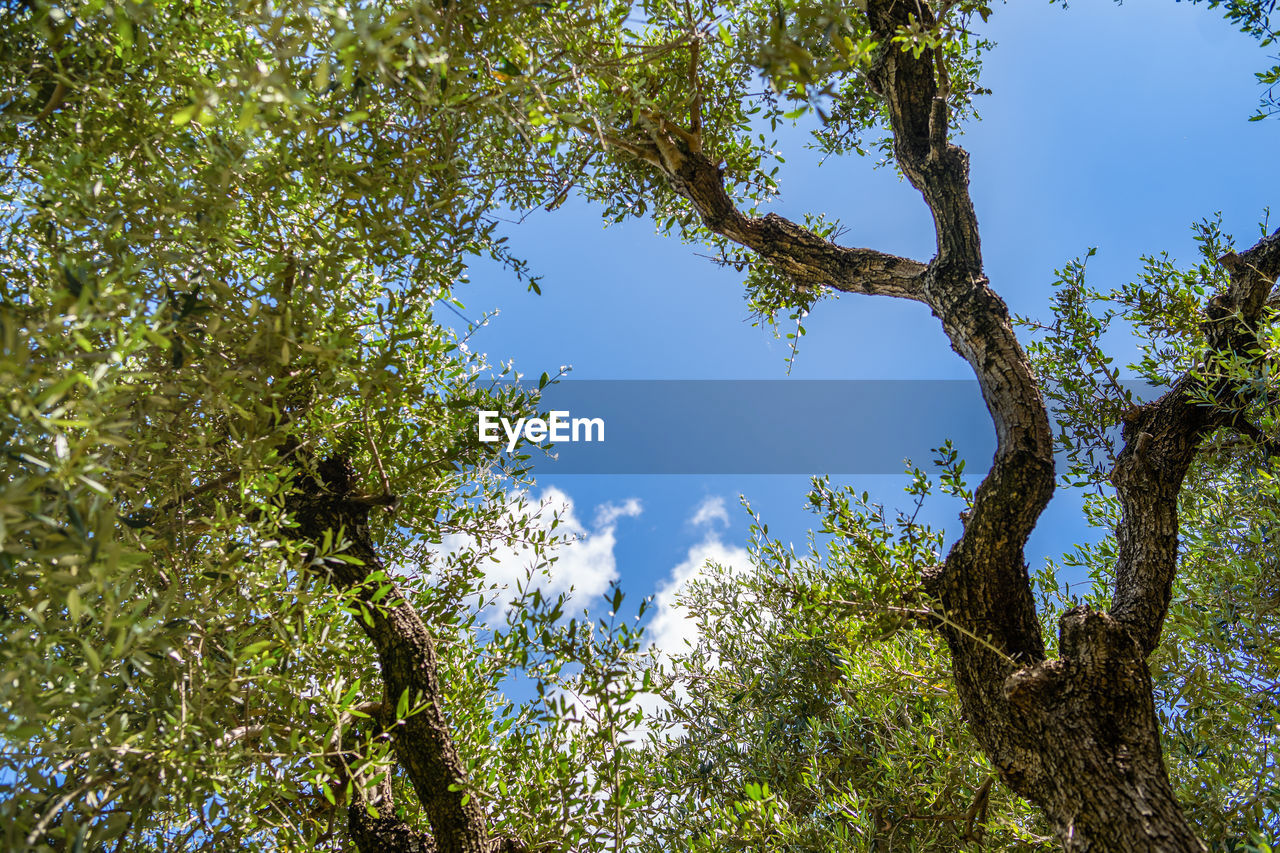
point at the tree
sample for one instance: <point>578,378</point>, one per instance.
<point>1071,725</point>
<point>1212,670</point>
<point>237,439</point>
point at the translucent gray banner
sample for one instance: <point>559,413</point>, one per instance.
<point>744,426</point>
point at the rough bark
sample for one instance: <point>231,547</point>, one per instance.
<point>1078,734</point>
<point>383,832</point>
<point>424,746</point>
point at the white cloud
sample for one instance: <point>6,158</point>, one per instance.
<point>607,514</point>
<point>585,561</point>
<point>711,510</point>
<point>671,630</point>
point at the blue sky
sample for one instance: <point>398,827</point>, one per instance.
<point>1115,126</point>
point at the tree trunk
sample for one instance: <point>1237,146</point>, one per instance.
<point>1078,736</point>
<point>424,746</point>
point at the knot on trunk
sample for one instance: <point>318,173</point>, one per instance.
<point>1091,638</point>
<point>1097,651</point>
<point>337,474</point>
<point>327,503</point>
<point>1033,686</point>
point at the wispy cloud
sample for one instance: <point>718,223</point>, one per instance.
<point>710,511</point>
<point>607,514</point>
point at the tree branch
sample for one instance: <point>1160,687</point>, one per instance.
<point>984,585</point>
<point>1161,441</point>
<point>371,819</point>
<point>806,258</point>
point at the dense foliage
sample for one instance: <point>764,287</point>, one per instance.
<point>227,227</point>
